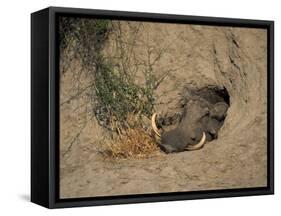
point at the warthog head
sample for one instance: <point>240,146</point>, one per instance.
<point>200,122</point>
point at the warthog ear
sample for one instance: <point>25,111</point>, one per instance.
<point>219,110</point>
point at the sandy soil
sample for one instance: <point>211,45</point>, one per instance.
<point>196,55</point>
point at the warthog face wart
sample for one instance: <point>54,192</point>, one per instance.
<point>200,122</point>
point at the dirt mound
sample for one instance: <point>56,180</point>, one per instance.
<point>191,56</point>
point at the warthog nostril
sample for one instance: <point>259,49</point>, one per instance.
<point>192,135</point>
<point>192,138</point>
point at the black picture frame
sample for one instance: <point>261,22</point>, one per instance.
<point>45,112</point>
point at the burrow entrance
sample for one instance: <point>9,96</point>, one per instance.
<point>205,109</point>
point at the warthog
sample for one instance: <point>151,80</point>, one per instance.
<point>200,122</point>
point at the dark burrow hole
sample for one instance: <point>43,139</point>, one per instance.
<point>203,111</point>
<point>209,110</point>
<point>209,94</point>
<point>213,94</point>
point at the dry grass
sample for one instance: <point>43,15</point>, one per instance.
<point>133,143</point>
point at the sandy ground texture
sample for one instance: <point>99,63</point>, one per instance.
<point>193,56</point>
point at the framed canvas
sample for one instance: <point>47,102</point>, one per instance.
<point>139,107</point>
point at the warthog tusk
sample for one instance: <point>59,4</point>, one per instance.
<point>199,145</point>
<point>153,124</point>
